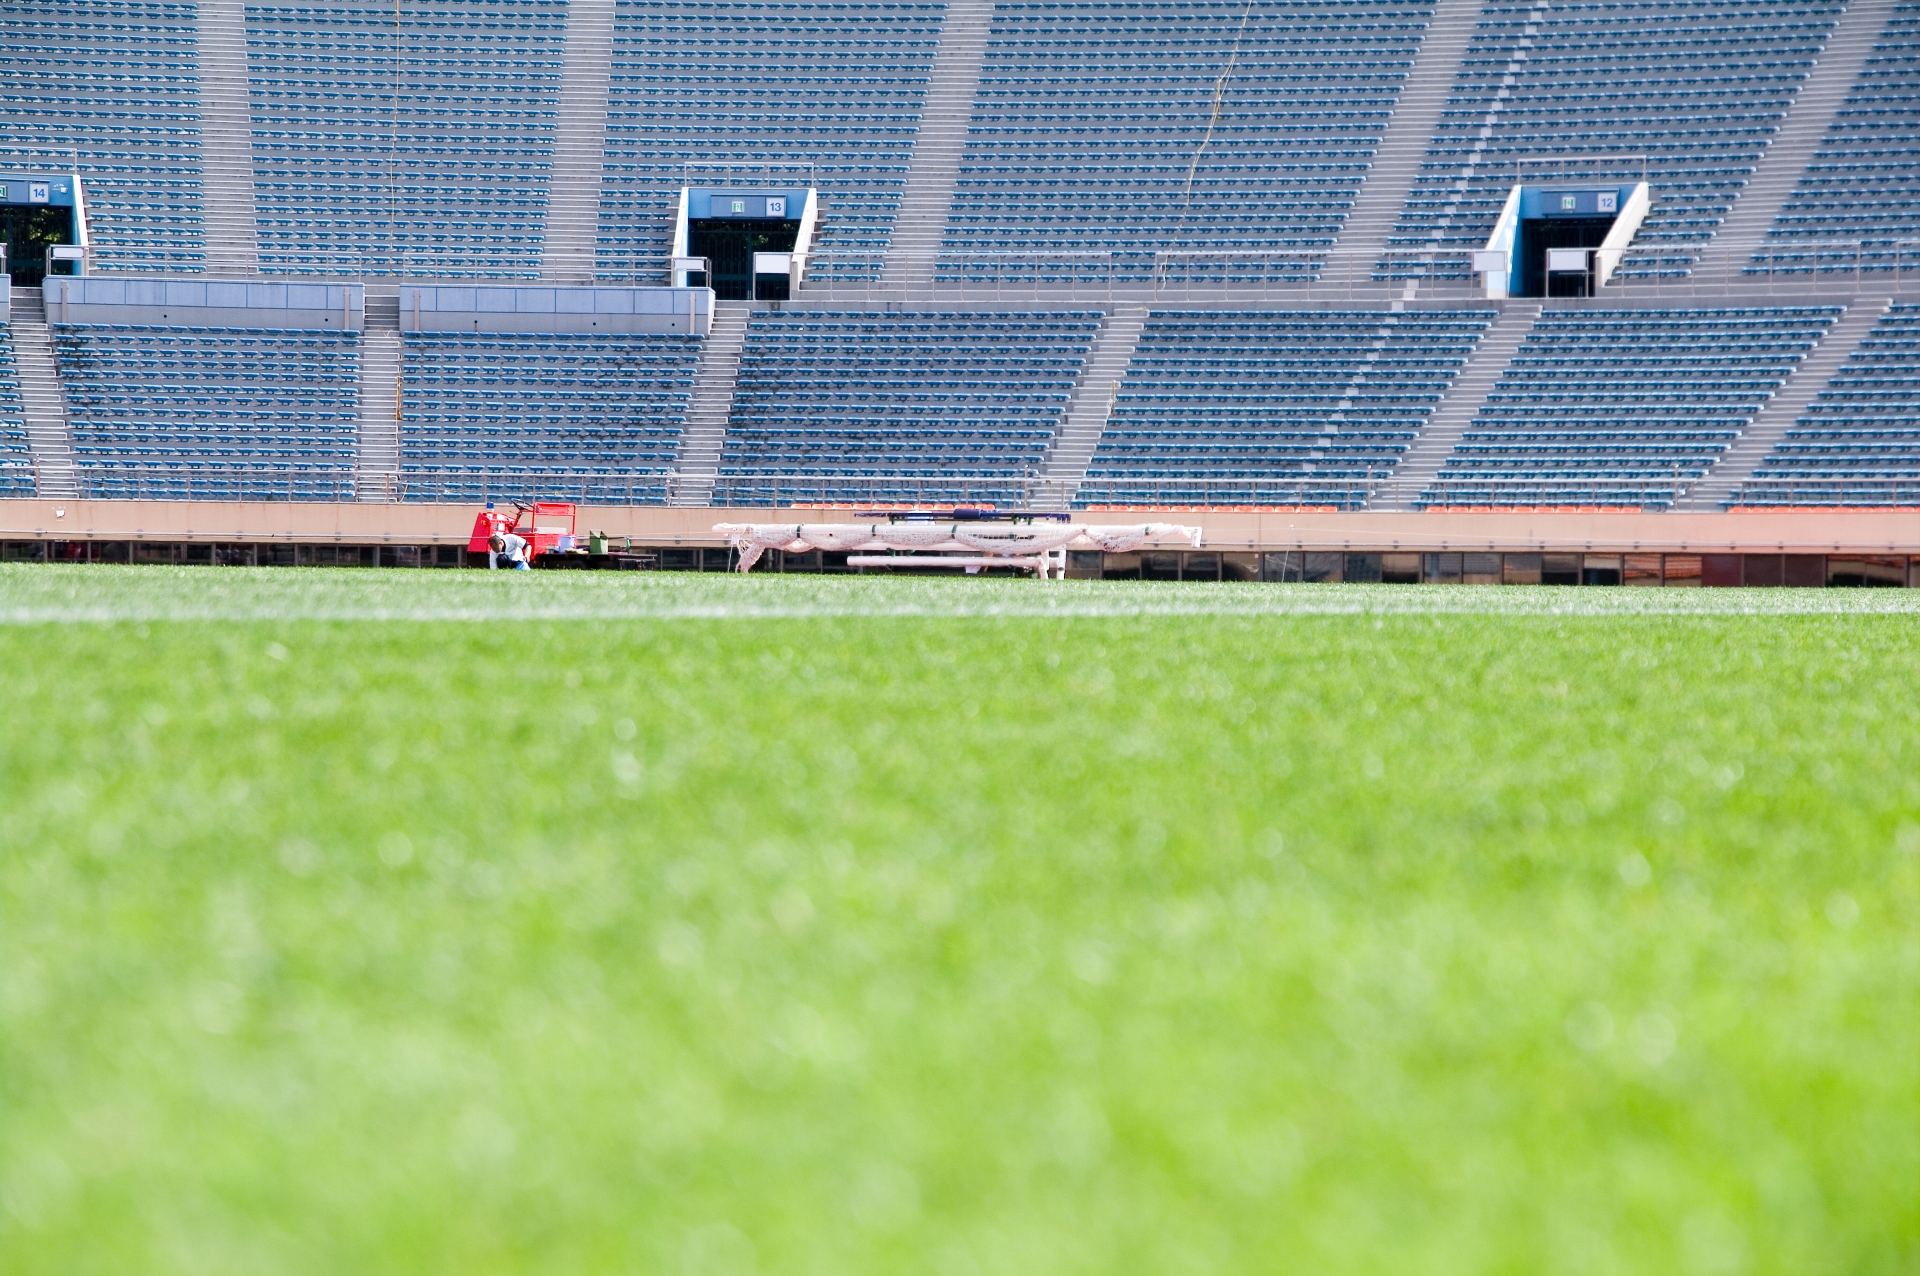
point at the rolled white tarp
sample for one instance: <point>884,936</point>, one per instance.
<point>987,540</point>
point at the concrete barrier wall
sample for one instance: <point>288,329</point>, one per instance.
<point>163,301</point>
<point>484,308</point>
<point>1811,532</point>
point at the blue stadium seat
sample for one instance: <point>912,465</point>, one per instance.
<point>1699,87</point>
<point>115,82</point>
<point>1636,403</point>
<point>583,416</point>
<point>1325,401</point>
<point>1858,444</point>
<point>209,413</point>
<point>1863,183</point>
<point>899,407</point>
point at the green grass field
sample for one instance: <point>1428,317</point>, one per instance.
<point>466,922</point>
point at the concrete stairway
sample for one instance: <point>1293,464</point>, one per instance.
<point>704,432</point>
<point>376,465</point>
<point>226,141</point>
<point>49,436</point>
<point>934,170</point>
<point>1778,414</point>
<point>1416,114</point>
<point>573,187</point>
<point>1450,420</point>
<point>1792,148</point>
<point>1064,467</point>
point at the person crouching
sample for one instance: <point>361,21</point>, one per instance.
<point>508,549</point>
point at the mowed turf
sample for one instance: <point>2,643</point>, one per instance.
<point>734,925</point>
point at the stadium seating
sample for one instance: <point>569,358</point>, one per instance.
<point>899,407</point>
<point>709,92</point>
<point>1859,442</point>
<point>1623,407</point>
<point>211,413</point>
<point>16,458</point>
<point>1296,407</point>
<point>1095,126</point>
<point>113,81</point>
<point>1697,86</point>
<point>422,141</point>
<point>433,162</point>
<point>576,416</point>
<point>1864,181</point>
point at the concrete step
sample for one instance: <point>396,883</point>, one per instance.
<point>1416,114</point>
<point>1793,398</point>
<point>1064,467</point>
<point>49,433</point>
<point>703,434</point>
<point>1820,97</point>
<point>383,308</point>
<point>1463,399</point>
<point>376,469</point>
<point>228,217</point>
<point>579,147</point>
<point>934,170</point>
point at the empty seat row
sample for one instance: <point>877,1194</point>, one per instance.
<point>1863,182</point>
<point>1858,443</point>
<point>594,414</point>
<point>911,406</point>
<point>1623,407</point>
<point>1306,406</point>
<point>1203,125</point>
<point>207,412</point>
<point>1689,91</point>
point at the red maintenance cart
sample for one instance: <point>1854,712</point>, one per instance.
<point>550,528</point>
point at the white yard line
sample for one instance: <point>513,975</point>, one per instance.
<point>36,594</point>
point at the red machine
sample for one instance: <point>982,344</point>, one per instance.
<point>540,523</point>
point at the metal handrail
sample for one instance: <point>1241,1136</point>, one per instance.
<point>1332,491</point>
<point>1154,274</point>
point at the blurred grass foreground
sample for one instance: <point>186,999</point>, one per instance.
<point>453,923</point>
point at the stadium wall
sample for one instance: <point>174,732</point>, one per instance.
<point>1870,532</point>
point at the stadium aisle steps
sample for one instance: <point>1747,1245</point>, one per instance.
<point>376,464</point>
<point>1828,85</point>
<point>42,403</point>
<point>933,170</point>
<point>1416,116</point>
<point>1290,407</point>
<point>854,406</point>
<point>1622,406</point>
<point>1778,414</point>
<point>1464,399</point>
<point>704,438</point>
<point>580,143</point>
<point>1093,401</point>
<point>226,139</point>
<point>1863,181</point>
<point>1858,443</point>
